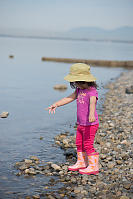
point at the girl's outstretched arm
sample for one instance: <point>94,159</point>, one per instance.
<point>62,102</point>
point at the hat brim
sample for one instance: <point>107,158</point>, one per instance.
<point>74,78</point>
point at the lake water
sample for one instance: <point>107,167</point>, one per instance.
<point>26,89</point>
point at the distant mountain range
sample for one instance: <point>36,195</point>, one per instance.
<point>122,34</point>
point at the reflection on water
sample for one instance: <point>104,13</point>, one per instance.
<point>26,89</point>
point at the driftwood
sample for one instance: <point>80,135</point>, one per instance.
<point>110,63</point>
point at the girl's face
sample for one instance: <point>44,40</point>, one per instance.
<point>81,85</point>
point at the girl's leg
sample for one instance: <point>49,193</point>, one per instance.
<point>93,157</point>
<point>88,138</point>
<point>82,160</point>
<point>79,139</point>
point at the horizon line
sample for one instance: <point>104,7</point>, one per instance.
<point>65,38</point>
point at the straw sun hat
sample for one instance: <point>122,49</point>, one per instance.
<point>80,72</point>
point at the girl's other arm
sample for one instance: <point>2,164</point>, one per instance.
<point>62,102</point>
<point>92,109</point>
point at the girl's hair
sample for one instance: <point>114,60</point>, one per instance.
<point>90,84</point>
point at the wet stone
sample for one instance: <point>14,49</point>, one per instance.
<point>129,90</point>
<point>28,161</point>
<point>56,167</point>
<point>124,197</point>
<point>4,115</point>
<point>36,197</point>
<point>127,185</point>
<point>34,158</point>
<point>23,167</point>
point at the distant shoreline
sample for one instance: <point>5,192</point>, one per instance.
<point>67,38</point>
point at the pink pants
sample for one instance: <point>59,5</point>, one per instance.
<point>85,138</point>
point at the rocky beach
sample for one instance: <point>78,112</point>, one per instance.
<point>114,141</point>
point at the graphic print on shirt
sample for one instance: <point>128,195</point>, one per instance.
<point>80,98</point>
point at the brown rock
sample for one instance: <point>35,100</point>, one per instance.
<point>111,165</point>
<point>36,197</point>
<point>60,87</point>
<point>11,56</point>
<point>4,115</point>
<point>34,158</point>
<point>127,185</point>
<point>124,197</point>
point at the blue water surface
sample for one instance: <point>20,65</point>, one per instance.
<point>26,89</point>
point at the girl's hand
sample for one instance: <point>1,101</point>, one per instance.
<point>52,108</point>
<point>92,118</point>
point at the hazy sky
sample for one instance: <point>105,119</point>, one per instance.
<point>61,15</point>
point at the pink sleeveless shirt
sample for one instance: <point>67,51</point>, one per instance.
<point>83,106</point>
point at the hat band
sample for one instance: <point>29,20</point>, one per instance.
<point>83,73</point>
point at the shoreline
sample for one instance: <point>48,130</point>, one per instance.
<point>113,141</point>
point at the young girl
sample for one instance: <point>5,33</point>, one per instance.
<point>86,95</point>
